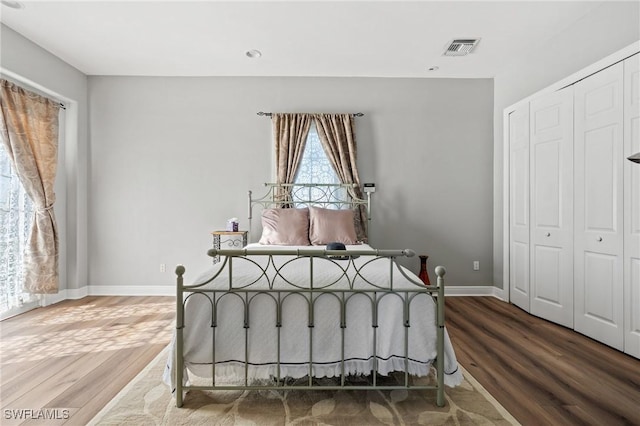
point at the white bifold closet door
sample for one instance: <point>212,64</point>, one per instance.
<point>551,213</point>
<point>632,207</point>
<point>519,207</point>
<point>599,207</point>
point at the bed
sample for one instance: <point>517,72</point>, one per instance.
<point>286,316</point>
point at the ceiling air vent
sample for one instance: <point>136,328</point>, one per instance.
<point>461,47</point>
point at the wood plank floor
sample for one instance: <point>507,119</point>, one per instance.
<point>78,354</point>
<point>540,372</point>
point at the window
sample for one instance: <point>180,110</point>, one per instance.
<point>16,213</point>
<point>316,168</point>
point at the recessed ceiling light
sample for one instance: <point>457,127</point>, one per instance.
<point>253,53</point>
<point>433,68</point>
<point>13,4</point>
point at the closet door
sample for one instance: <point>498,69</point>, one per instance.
<point>519,207</point>
<point>551,213</point>
<point>599,206</point>
<point>632,207</point>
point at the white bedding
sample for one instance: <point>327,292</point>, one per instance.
<point>295,346</point>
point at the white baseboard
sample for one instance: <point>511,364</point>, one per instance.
<point>499,293</point>
<point>484,290</point>
<point>65,294</point>
<point>79,293</point>
<point>169,290</point>
<point>139,290</point>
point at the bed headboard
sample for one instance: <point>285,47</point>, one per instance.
<point>338,196</point>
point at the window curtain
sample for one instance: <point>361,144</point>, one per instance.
<point>290,135</point>
<point>29,130</point>
<point>336,132</point>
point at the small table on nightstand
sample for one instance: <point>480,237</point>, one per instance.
<point>223,240</point>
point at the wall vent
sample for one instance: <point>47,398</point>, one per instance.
<point>461,47</point>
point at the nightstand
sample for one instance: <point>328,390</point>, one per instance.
<point>224,240</point>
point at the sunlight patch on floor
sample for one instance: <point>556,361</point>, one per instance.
<point>84,340</point>
<point>91,312</point>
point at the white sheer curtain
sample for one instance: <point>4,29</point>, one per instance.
<point>316,168</point>
<point>16,211</point>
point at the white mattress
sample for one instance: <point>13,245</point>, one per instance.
<point>295,344</point>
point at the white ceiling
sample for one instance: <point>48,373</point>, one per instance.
<point>296,38</point>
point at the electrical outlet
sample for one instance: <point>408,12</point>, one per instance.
<point>163,267</point>
<point>369,187</point>
<point>476,265</point>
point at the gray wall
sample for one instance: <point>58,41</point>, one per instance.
<point>172,159</point>
<point>29,61</point>
<point>605,30</point>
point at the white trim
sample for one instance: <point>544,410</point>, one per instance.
<point>50,299</point>
<point>474,291</point>
<point>506,208</point>
<point>79,293</point>
<point>501,294</point>
<point>608,61</point>
<point>109,290</point>
<point>170,290</point>
<point>64,294</point>
<point>138,290</point>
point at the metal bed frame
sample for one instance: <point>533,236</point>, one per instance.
<point>358,284</point>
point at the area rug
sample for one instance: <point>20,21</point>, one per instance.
<point>147,401</point>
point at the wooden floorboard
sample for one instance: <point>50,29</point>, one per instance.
<point>540,372</point>
<point>77,355</point>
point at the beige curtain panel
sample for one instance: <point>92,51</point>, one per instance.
<point>290,135</point>
<point>337,135</point>
<point>29,130</point>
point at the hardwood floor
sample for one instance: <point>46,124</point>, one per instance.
<point>77,355</point>
<point>74,357</point>
<point>540,372</point>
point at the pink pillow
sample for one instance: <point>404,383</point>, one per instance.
<point>285,227</point>
<point>328,226</point>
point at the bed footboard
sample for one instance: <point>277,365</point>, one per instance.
<point>399,288</point>
<point>440,271</point>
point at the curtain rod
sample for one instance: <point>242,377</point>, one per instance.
<point>29,88</point>
<point>269,114</point>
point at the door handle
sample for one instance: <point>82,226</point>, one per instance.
<point>599,239</point>
<point>548,234</point>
